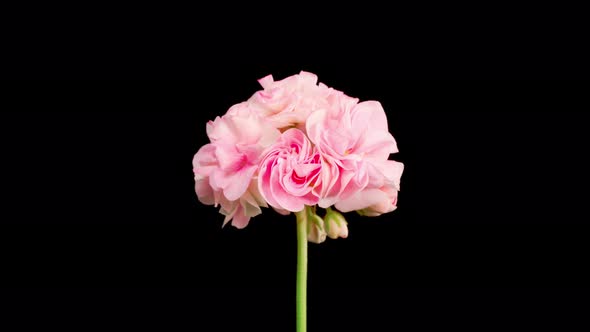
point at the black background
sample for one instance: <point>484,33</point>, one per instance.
<point>101,228</point>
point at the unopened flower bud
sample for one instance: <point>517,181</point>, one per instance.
<point>315,229</point>
<point>336,225</point>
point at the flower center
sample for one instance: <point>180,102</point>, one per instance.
<point>295,148</point>
<point>298,179</point>
<point>240,164</point>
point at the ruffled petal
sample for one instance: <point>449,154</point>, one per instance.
<point>361,200</point>
<point>238,183</point>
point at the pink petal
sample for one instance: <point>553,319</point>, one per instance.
<point>310,199</point>
<point>218,180</point>
<point>219,130</point>
<point>345,188</point>
<point>294,188</point>
<point>205,155</point>
<point>331,184</point>
<point>371,114</point>
<point>308,78</point>
<point>238,183</point>
<point>246,130</point>
<point>266,81</point>
<point>293,135</point>
<point>240,220</point>
<point>336,141</point>
<point>326,202</point>
<point>376,176</point>
<point>283,199</point>
<point>269,135</point>
<point>391,169</point>
<point>361,200</point>
<point>240,109</point>
<point>282,212</point>
<point>204,192</point>
<point>376,144</point>
<point>204,161</point>
<point>305,169</point>
<point>228,157</point>
<point>313,125</point>
<point>264,183</point>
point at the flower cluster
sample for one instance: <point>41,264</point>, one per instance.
<point>297,143</point>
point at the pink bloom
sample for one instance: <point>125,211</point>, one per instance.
<point>333,150</point>
<point>225,168</point>
<point>289,102</point>
<point>290,171</point>
<point>355,142</point>
<point>373,202</point>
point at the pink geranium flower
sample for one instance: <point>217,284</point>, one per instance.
<point>289,172</point>
<point>355,143</point>
<point>288,102</point>
<point>225,168</point>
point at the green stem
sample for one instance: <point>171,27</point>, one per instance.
<point>301,298</point>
